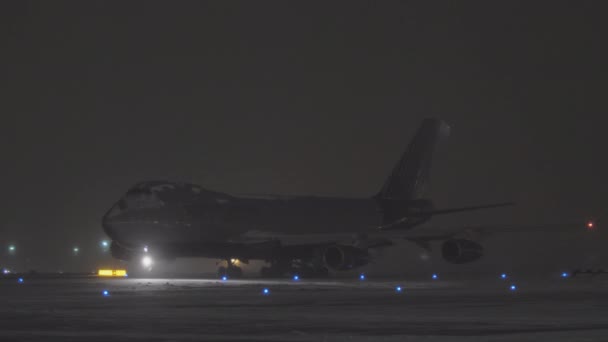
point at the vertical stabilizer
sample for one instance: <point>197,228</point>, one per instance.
<point>410,177</point>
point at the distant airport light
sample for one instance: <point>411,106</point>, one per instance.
<point>503,276</point>
<point>105,244</point>
<point>398,289</point>
<point>75,250</point>
<point>6,271</point>
<point>105,293</point>
<point>224,278</point>
<point>12,249</point>
<point>362,276</point>
<point>265,291</point>
<point>435,276</point>
<point>146,261</point>
<point>590,225</point>
<point>513,288</point>
<point>565,275</point>
<point>146,249</point>
<point>20,280</point>
<point>296,277</point>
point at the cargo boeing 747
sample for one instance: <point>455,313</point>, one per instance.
<point>294,234</point>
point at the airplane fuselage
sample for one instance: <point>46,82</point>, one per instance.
<point>172,220</point>
<point>186,216</point>
<point>155,213</point>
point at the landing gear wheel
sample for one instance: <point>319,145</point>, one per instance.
<point>310,272</point>
<point>221,271</point>
<point>231,271</point>
<point>280,269</point>
<point>234,272</point>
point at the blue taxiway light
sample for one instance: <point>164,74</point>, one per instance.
<point>296,277</point>
<point>513,288</point>
<point>435,276</point>
<point>362,276</point>
<point>265,292</point>
<point>224,278</point>
<point>503,276</point>
<point>565,275</point>
<point>398,289</point>
<point>105,293</point>
<point>20,280</point>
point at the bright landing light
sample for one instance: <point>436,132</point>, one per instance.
<point>111,273</point>
<point>146,261</point>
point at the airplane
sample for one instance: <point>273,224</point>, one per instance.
<point>305,235</point>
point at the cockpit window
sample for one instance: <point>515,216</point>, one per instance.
<point>118,208</point>
<point>136,198</point>
<point>141,199</point>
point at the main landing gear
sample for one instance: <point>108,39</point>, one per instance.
<point>230,271</point>
<point>282,268</point>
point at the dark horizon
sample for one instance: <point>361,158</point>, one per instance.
<point>283,98</point>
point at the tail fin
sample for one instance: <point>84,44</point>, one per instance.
<point>410,177</point>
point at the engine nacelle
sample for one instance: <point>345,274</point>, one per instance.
<point>343,258</point>
<point>461,251</point>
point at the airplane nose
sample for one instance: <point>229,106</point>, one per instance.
<point>107,224</point>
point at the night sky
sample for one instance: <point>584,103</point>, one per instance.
<point>296,98</point>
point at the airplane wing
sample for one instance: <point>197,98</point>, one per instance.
<point>422,236</point>
<point>460,244</point>
<point>381,236</point>
<point>428,233</point>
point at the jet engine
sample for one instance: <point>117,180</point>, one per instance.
<point>461,251</point>
<point>343,258</point>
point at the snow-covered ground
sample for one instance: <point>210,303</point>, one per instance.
<point>550,309</point>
